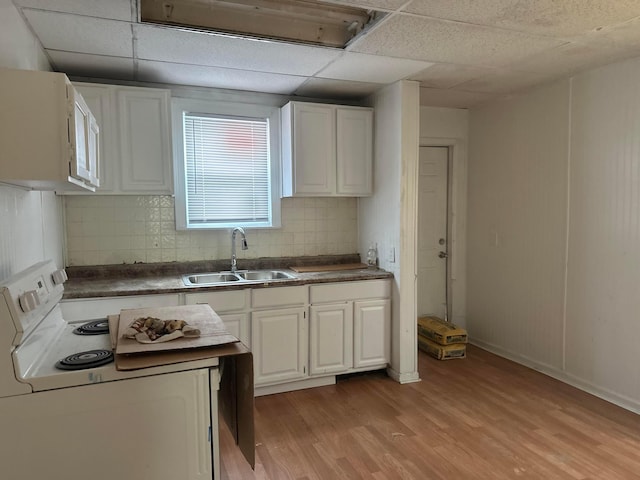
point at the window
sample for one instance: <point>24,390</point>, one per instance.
<point>226,161</point>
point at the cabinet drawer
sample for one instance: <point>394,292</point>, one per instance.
<point>279,296</point>
<point>342,292</point>
<point>221,301</point>
<point>87,309</point>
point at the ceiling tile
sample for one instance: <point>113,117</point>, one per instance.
<point>113,9</point>
<point>185,46</point>
<point>434,97</point>
<point>216,77</point>
<point>336,89</point>
<point>85,65</point>
<point>565,18</point>
<point>422,38</point>
<point>568,59</point>
<point>447,75</point>
<point>73,33</point>
<point>361,67</point>
<point>502,81</point>
<point>623,38</point>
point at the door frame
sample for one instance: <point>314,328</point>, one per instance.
<point>456,224</point>
<point>448,221</point>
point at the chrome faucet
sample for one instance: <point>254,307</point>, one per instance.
<point>234,265</point>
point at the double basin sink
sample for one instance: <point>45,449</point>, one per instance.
<point>241,276</point>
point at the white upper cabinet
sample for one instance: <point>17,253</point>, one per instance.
<point>326,150</point>
<point>136,146</point>
<point>354,147</point>
<point>49,137</point>
<point>145,140</point>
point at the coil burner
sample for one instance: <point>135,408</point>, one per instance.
<point>88,359</point>
<point>96,327</point>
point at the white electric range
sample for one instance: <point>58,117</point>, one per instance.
<point>66,412</point>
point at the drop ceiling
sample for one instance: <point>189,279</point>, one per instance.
<point>463,52</point>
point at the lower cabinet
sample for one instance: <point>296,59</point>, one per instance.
<point>299,335</point>
<point>331,338</point>
<point>350,327</point>
<point>279,345</point>
<point>231,306</point>
<point>372,333</point>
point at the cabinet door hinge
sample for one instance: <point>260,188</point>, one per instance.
<point>209,434</point>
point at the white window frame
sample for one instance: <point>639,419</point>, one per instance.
<point>180,106</point>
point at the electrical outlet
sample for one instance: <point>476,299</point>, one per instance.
<point>392,255</point>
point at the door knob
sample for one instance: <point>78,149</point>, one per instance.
<point>443,255</point>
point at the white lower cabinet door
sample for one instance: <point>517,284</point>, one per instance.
<point>372,333</point>
<point>279,344</point>
<point>237,324</point>
<point>331,338</point>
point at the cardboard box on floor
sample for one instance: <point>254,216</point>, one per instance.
<point>442,352</point>
<point>439,331</point>
<point>235,397</point>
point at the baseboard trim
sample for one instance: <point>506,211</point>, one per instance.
<point>403,378</point>
<point>291,386</point>
<point>603,393</point>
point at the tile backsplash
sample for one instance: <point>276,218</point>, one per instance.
<point>104,230</point>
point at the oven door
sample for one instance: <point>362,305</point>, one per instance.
<point>156,428</point>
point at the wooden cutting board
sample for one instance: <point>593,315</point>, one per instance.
<point>202,317</point>
<point>329,268</point>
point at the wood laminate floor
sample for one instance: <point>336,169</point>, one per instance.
<point>483,417</point>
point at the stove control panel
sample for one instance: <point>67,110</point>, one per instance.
<point>29,296</point>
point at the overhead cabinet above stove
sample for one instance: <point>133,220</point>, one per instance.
<point>48,135</point>
<point>326,150</point>
<point>136,134</point>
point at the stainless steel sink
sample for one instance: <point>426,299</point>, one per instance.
<point>210,278</point>
<point>244,276</point>
<point>265,275</point>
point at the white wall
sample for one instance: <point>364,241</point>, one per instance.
<point>31,222</point>
<point>603,287</point>
<point>554,230</point>
<point>450,127</point>
<point>388,218</point>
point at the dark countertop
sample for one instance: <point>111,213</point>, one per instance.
<point>149,279</point>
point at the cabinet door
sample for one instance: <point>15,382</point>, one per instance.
<point>279,345</point>
<point>314,155</point>
<point>93,149</point>
<point>99,98</point>
<point>330,338</point>
<point>81,166</point>
<point>354,151</point>
<point>145,145</point>
<point>372,333</point>
<point>237,324</point>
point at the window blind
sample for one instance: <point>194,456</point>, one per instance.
<point>227,170</point>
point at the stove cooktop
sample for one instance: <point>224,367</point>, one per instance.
<point>95,327</point>
<point>88,359</point>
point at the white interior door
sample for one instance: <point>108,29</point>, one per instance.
<point>432,231</point>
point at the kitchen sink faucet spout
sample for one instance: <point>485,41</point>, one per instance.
<point>234,265</point>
